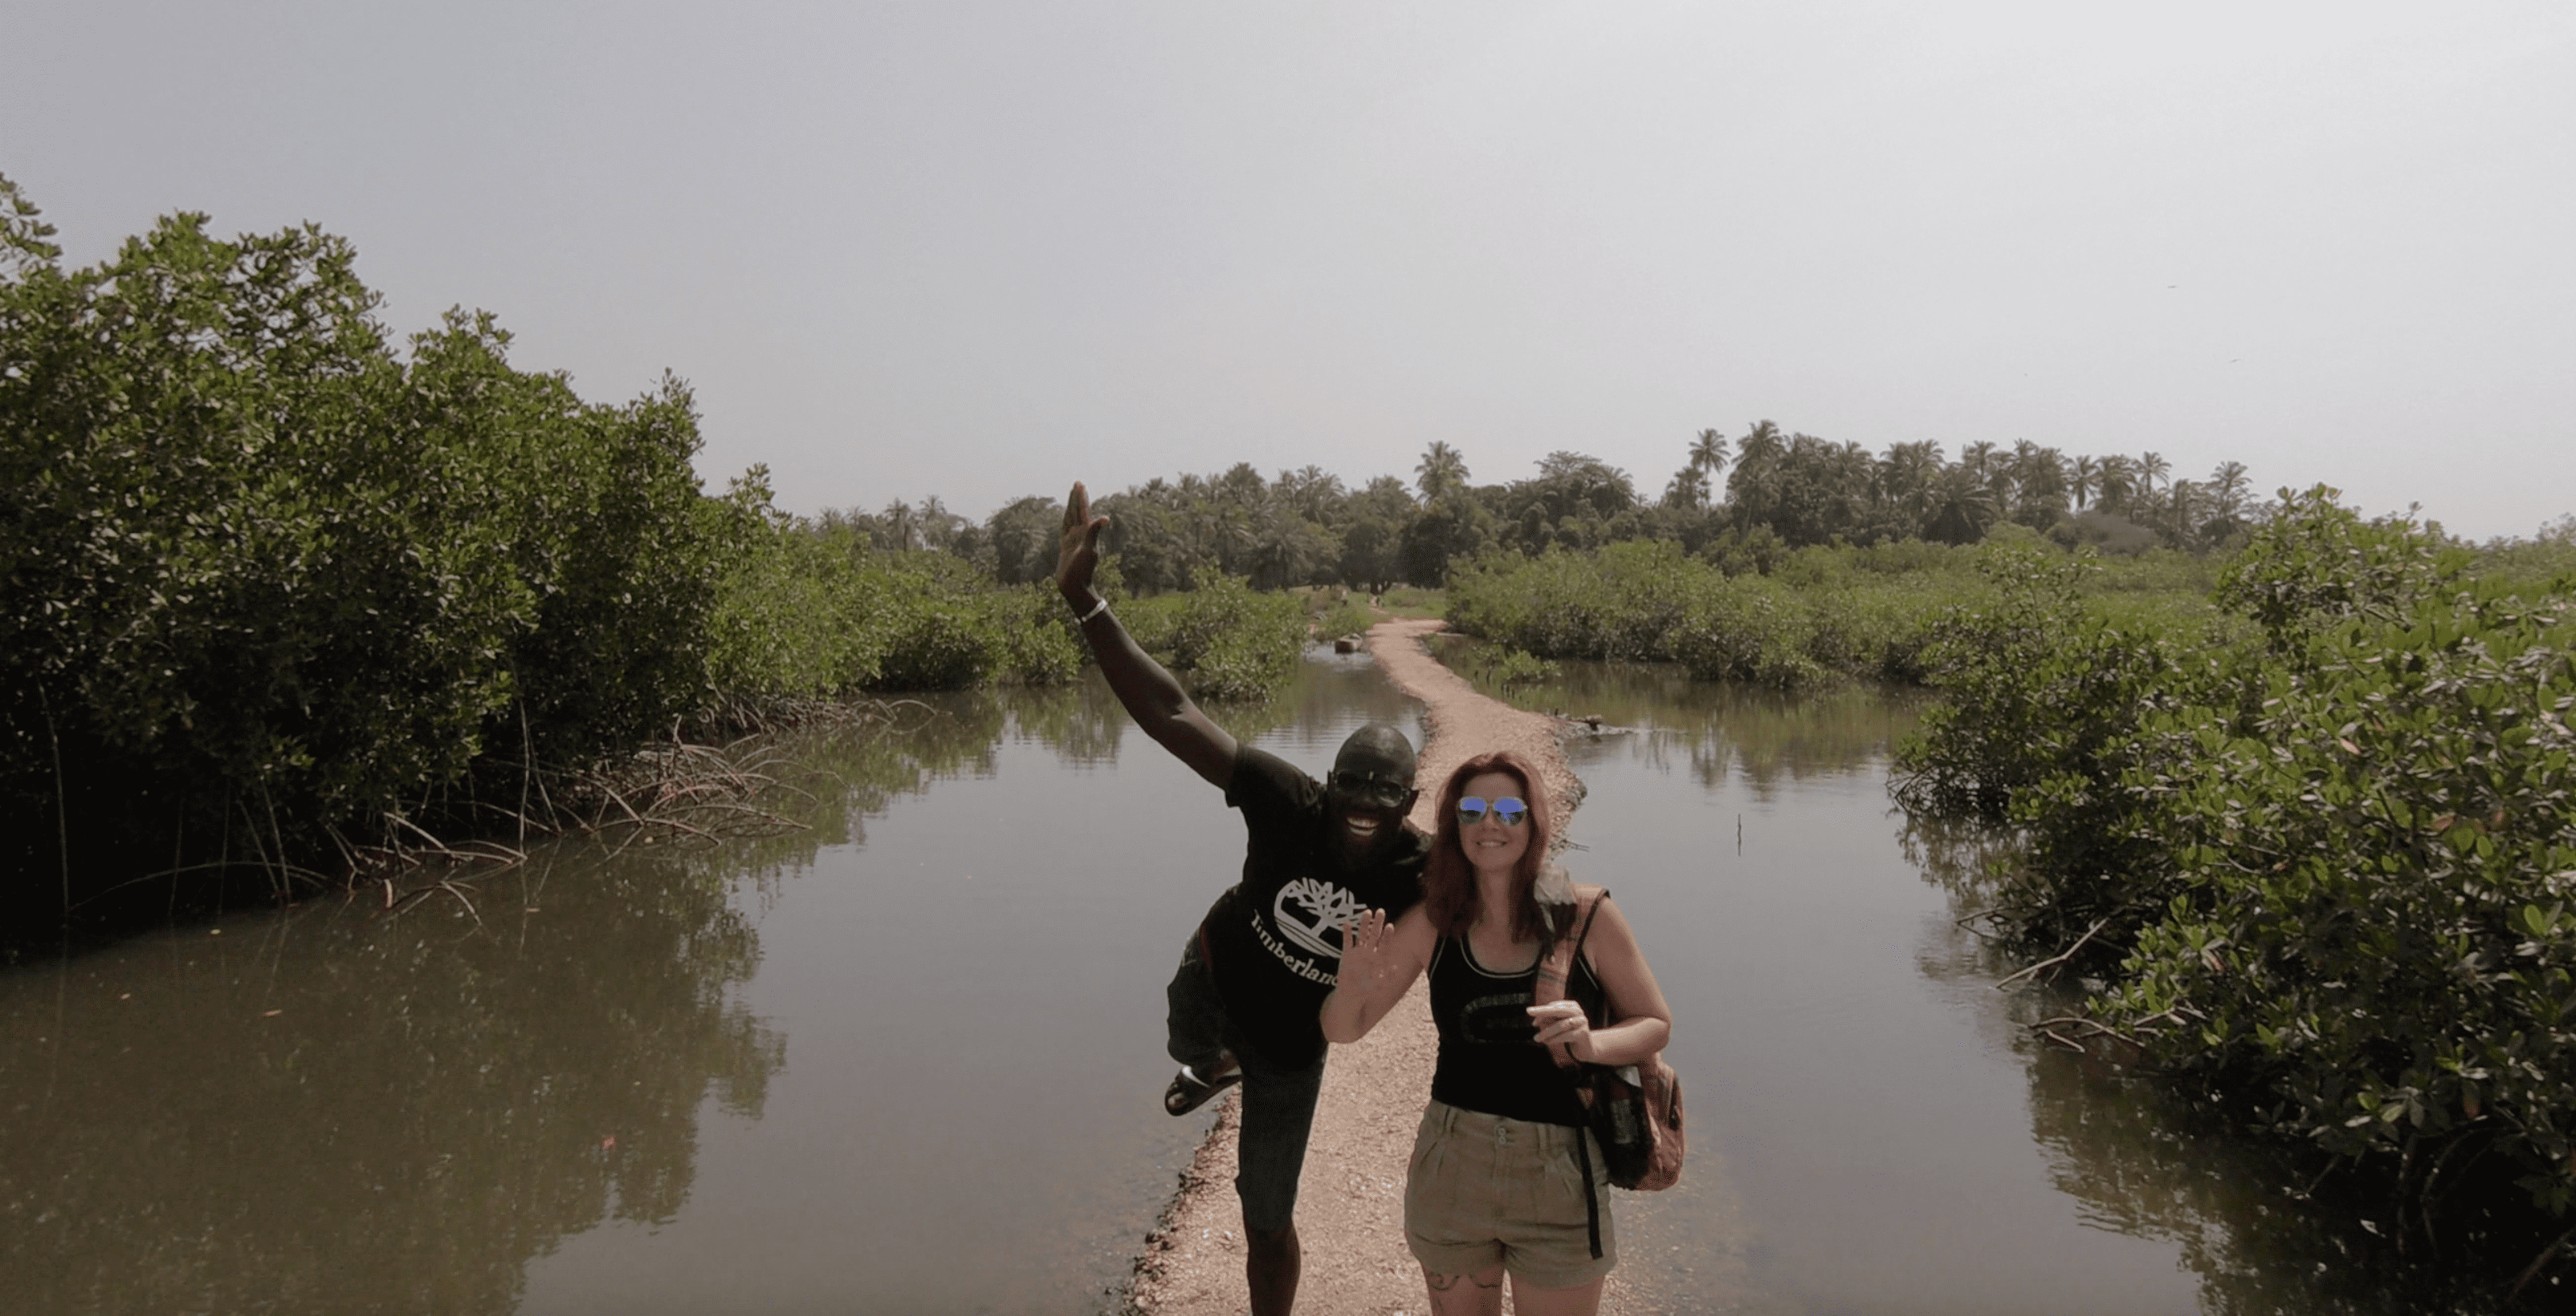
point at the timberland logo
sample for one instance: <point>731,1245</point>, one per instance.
<point>1326,908</point>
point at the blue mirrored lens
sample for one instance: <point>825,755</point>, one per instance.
<point>1510,811</point>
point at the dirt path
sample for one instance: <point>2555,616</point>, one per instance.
<point>1350,1207</point>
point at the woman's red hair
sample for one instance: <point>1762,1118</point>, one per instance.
<point>1449,896</point>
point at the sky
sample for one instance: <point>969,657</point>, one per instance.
<point>981,250</point>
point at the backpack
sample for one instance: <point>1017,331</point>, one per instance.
<point>1634,1111</point>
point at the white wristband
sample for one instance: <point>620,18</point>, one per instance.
<point>1096,609</point>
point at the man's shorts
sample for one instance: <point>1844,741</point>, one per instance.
<point>1278,1104</point>
<point>1485,1189</point>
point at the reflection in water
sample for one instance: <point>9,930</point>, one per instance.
<point>328,1110</point>
<point>2141,1161</point>
<point>1762,738</point>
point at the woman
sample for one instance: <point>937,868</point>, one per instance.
<point>1495,1186</point>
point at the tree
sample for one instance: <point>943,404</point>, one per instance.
<point>1023,535</point>
<point>1752,490</point>
<point>2038,485</point>
<point>1372,537</point>
<point>1820,490</point>
<point>1907,481</point>
<point>2119,482</point>
<point>1440,471</point>
<point>2228,486</point>
<point>1963,507</point>
<point>2151,468</point>
<point>26,244</point>
<point>1708,454</point>
<point>937,525</point>
<point>1449,530</point>
<point>252,553</point>
<point>1979,459</point>
<point>2184,502</point>
<point>1287,549</point>
<point>1688,490</point>
<point>898,527</point>
<point>1312,493</point>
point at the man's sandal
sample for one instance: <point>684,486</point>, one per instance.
<point>1188,1091</point>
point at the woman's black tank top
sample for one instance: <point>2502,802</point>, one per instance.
<point>1489,1058</point>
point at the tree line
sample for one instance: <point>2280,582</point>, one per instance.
<point>1780,491</point>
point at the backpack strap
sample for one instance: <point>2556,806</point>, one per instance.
<point>1557,968</point>
<point>1553,973</point>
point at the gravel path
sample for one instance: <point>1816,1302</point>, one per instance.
<point>1350,1209</point>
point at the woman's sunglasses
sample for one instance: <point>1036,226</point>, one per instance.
<point>1471,811</point>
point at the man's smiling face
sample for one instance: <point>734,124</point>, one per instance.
<point>1369,791</point>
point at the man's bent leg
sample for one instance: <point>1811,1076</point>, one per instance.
<point>1194,1028</point>
<point>1278,1113</point>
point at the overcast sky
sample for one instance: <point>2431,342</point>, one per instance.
<point>980,250</point>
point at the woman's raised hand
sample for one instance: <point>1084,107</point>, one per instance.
<point>1367,958</point>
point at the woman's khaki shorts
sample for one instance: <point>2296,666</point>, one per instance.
<point>1486,1189</point>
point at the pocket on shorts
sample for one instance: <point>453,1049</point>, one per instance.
<point>1426,1148</point>
<point>1565,1173</point>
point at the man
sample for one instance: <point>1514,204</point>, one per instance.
<point>1244,1002</point>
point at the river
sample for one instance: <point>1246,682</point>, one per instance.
<point>907,1058</point>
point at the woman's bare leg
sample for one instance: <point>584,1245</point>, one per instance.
<point>1581,1300</point>
<point>1480,1294</point>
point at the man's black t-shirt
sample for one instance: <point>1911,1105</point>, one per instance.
<point>1274,938</point>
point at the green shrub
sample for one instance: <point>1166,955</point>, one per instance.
<point>795,615</point>
<point>2322,855</point>
<point>1746,629</point>
<point>1348,615</point>
<point>1826,610</point>
<point>1223,640</point>
<point>2370,921</point>
<point>1518,667</point>
<point>261,578</point>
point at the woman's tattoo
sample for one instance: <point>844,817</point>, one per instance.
<point>1444,1283</point>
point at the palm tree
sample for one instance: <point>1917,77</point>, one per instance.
<point>1440,471</point>
<point>2227,488</point>
<point>902,526</point>
<point>1962,507</point>
<point>2183,499</point>
<point>2119,481</point>
<point>2153,467</point>
<point>1313,492</point>
<point>1760,443</point>
<point>1708,454</point>
<point>1905,482</point>
<point>1689,489</point>
<point>1976,457</point>
<point>2082,479</point>
<point>936,525</point>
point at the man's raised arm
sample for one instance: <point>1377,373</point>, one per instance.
<point>1152,697</point>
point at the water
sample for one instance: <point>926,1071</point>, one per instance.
<point>908,1060</point>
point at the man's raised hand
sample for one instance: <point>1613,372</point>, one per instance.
<point>1078,548</point>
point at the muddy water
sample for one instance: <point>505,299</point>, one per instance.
<point>906,1060</point>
